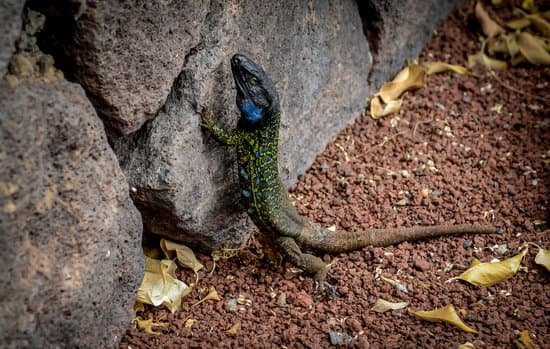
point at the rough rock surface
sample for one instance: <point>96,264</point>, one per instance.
<point>10,25</point>
<point>185,182</point>
<point>397,30</point>
<point>319,58</point>
<point>126,56</point>
<point>69,233</point>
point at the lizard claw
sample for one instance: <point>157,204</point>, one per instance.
<point>324,288</point>
<point>206,117</point>
<point>331,291</point>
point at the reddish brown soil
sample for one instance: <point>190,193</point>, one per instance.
<point>490,146</point>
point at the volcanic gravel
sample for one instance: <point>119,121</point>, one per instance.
<point>465,149</point>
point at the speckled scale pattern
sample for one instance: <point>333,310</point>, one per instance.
<point>261,188</point>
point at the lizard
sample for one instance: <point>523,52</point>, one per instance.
<point>256,139</point>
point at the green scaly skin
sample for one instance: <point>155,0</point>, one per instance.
<point>264,195</point>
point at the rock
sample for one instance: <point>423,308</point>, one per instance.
<point>126,56</point>
<point>398,30</point>
<point>153,61</point>
<point>10,25</point>
<point>339,338</point>
<point>420,263</point>
<point>302,299</point>
<point>186,184</point>
<point>69,234</point>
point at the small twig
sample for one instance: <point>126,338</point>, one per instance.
<point>389,139</point>
<point>515,89</point>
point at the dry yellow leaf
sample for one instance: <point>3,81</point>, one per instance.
<point>540,23</point>
<point>511,44</point>
<point>184,255</point>
<point>488,25</point>
<point>234,329</point>
<point>533,49</point>
<point>446,314</point>
<point>138,306</point>
<point>440,67</point>
<point>518,23</point>
<point>382,306</point>
<point>160,285</point>
<point>378,109</point>
<point>487,274</point>
<point>496,45</point>
<point>524,341</point>
<point>212,295</point>
<point>466,345</point>
<point>543,258</point>
<point>482,59</point>
<point>529,5</point>
<point>147,325</point>
<point>412,77</point>
<point>189,323</point>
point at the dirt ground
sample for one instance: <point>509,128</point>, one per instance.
<point>465,149</point>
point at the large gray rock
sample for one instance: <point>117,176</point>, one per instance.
<point>185,185</point>
<point>398,30</point>
<point>154,59</point>
<point>69,234</point>
<point>125,55</point>
<point>322,62</point>
<point>10,25</point>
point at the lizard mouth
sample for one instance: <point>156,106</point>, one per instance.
<point>239,64</point>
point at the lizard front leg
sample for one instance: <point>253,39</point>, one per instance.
<point>222,135</point>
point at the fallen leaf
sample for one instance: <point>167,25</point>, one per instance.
<point>189,323</point>
<point>234,329</point>
<point>212,295</point>
<point>482,59</point>
<point>138,306</point>
<point>147,325</point>
<point>382,306</point>
<point>440,67</point>
<point>487,274</point>
<point>184,255</point>
<point>543,258</point>
<point>446,314</point>
<point>412,77</point>
<point>160,285</point>
<point>511,44</point>
<point>488,25</point>
<point>378,109</point>
<point>529,5</point>
<point>518,23</point>
<point>524,341</point>
<point>466,345</point>
<point>533,49</point>
<point>540,23</point>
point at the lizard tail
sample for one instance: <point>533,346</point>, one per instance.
<point>320,239</point>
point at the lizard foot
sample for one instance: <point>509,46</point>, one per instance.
<point>207,119</point>
<point>331,291</point>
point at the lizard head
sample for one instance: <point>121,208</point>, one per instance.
<point>257,97</point>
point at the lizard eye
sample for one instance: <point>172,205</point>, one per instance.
<point>254,81</point>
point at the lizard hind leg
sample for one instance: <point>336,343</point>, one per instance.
<point>309,263</point>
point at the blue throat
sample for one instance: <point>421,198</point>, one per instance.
<point>251,112</point>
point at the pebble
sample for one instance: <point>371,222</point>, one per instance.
<point>339,338</point>
<point>303,299</point>
<point>232,304</point>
